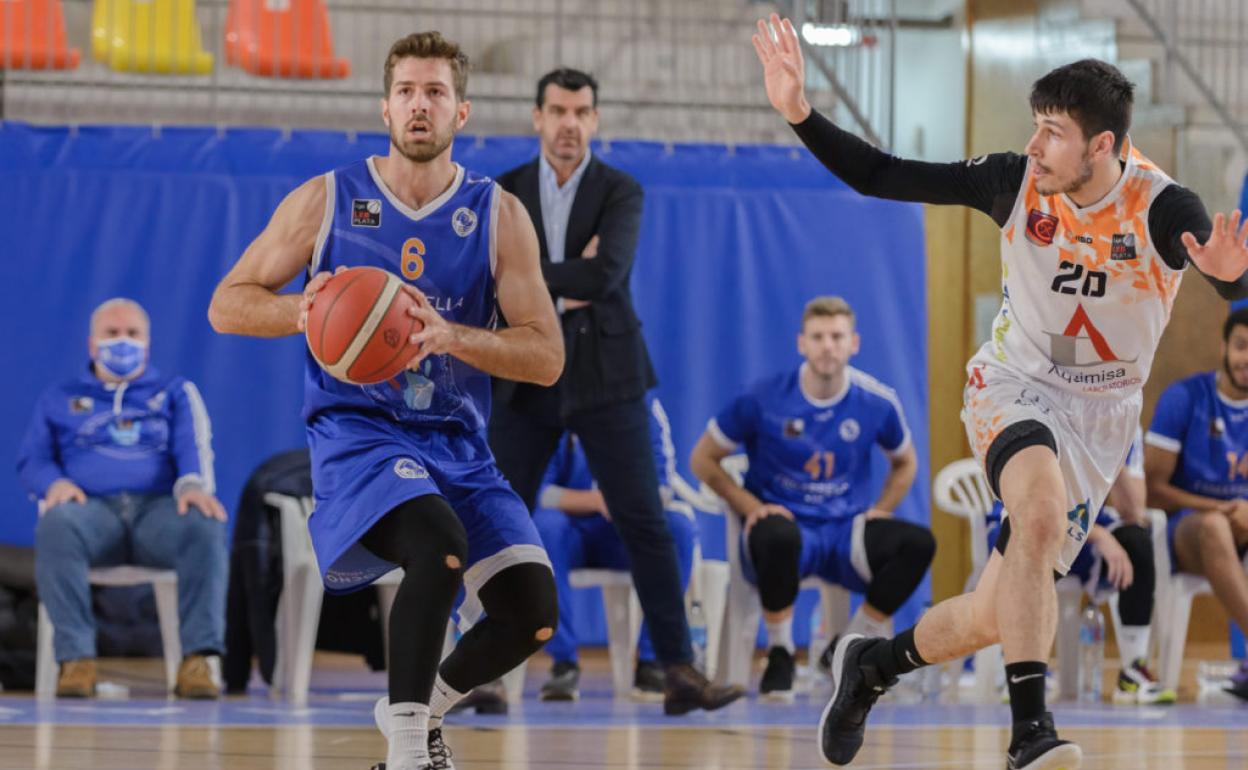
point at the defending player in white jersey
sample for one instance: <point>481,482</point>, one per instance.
<point>1094,239</point>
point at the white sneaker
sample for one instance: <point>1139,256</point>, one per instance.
<point>1137,685</point>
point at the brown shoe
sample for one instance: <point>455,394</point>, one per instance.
<point>77,679</point>
<point>195,679</point>
<point>687,689</point>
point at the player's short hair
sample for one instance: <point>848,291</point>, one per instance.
<point>827,307</point>
<point>120,302</point>
<point>1236,318</point>
<point>1095,94</point>
<point>569,80</point>
<point>429,45</point>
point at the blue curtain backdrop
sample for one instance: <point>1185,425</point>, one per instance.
<point>733,242</point>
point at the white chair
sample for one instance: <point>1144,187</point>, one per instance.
<point>739,620</point>
<point>299,606</point>
<point>1173,603</point>
<point>164,585</point>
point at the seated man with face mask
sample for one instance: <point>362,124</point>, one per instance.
<point>120,458</point>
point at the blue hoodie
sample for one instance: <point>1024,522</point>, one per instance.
<point>147,436</point>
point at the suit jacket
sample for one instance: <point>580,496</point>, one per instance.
<point>607,361</point>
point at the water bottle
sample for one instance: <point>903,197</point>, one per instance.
<point>697,635</point>
<point>1091,653</point>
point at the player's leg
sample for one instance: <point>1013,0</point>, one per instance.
<point>1206,544</point>
<point>426,539</point>
<point>564,539</point>
<point>1136,683</point>
<point>648,677</point>
<point>898,554</point>
<point>774,546</point>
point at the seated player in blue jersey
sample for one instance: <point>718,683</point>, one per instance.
<point>806,499</point>
<point>577,531</point>
<point>401,470</point>
<point>1119,557</point>
<point>1196,458</point>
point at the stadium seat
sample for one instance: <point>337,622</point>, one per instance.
<point>149,36</point>
<point>282,38</point>
<point>164,584</point>
<point>32,36</point>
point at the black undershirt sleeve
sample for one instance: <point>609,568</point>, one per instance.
<point>989,183</point>
<point>1178,210</point>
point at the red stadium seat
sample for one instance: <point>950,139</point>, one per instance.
<point>32,36</point>
<point>282,38</point>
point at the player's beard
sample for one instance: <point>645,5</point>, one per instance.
<point>1230,376</point>
<point>421,151</point>
<point>1084,176</point>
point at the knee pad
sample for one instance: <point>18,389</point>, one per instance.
<point>524,598</point>
<point>775,546</point>
<point>889,539</point>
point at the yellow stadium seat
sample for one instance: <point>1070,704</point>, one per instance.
<point>149,36</point>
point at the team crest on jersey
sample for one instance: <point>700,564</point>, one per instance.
<point>155,402</point>
<point>1122,246</point>
<point>407,468</point>
<point>794,428</point>
<point>365,212</point>
<point>464,221</point>
<point>1041,227</point>
<point>1217,428</point>
<point>81,404</point>
<point>849,429</point>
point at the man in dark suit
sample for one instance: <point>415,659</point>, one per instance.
<point>587,215</point>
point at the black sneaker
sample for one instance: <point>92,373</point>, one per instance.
<point>854,690</point>
<point>439,752</point>
<point>564,683</point>
<point>489,698</point>
<point>1037,747</point>
<point>648,681</point>
<point>777,683</point>
<point>824,664</point>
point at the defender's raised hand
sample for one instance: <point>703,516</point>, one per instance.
<point>784,71</point>
<point>1225,255</point>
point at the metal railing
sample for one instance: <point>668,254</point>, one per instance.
<point>1204,42</point>
<point>670,71</point>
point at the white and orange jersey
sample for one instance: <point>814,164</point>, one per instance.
<point>1086,293</point>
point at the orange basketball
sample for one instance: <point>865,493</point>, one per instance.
<point>358,327</point>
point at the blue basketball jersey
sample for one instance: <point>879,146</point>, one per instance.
<point>813,457</point>
<point>447,249</point>
<point>1209,432</point>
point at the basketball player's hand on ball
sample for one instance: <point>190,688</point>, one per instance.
<point>204,502</point>
<point>784,71</point>
<point>63,491</point>
<point>762,512</point>
<point>309,293</point>
<point>437,337</point>
<point>1225,255</point>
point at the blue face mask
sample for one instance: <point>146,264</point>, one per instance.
<point>122,357</point>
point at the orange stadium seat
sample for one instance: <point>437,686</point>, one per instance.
<point>32,36</point>
<point>282,38</point>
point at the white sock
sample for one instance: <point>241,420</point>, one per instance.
<point>780,633</point>
<point>409,736</point>
<point>1133,644</point>
<point>862,623</point>
<point>444,696</point>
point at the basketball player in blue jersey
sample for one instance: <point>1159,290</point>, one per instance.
<point>1196,458</point>
<point>1095,240</point>
<point>806,498</point>
<point>401,470</point>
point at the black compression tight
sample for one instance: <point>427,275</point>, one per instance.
<point>426,539</point>
<point>1135,603</point>
<point>521,612</point>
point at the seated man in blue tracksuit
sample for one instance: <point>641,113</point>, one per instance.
<point>576,528</point>
<point>120,458</point>
<point>1119,557</point>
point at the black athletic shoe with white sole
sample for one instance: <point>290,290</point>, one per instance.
<point>1037,747</point>
<point>855,689</point>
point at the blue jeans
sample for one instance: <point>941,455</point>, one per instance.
<point>576,542</point>
<point>144,530</point>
